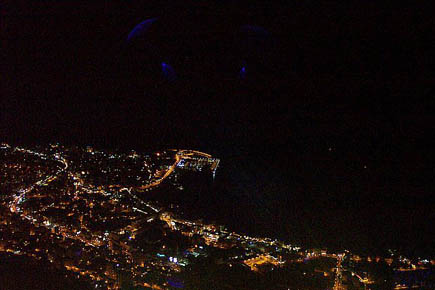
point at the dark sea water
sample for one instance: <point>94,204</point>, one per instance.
<point>257,197</point>
<point>325,142</point>
<point>297,195</point>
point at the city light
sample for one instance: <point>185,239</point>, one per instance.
<point>58,196</point>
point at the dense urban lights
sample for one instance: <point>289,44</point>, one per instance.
<point>86,211</point>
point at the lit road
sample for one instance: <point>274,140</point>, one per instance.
<point>21,197</point>
<point>180,155</point>
<point>93,241</point>
<point>338,284</point>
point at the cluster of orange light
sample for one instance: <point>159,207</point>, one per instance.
<point>262,259</point>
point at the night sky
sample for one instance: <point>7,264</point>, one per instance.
<point>323,115</point>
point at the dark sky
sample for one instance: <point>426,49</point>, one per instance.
<point>336,110</point>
